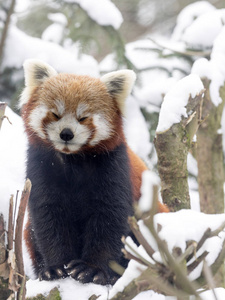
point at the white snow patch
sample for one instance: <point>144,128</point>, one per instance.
<point>12,159</point>
<point>103,12</point>
<point>175,101</point>
<point>218,69</point>
<point>203,31</point>
<point>149,179</point>
<point>149,295</point>
<point>214,69</point>
<point>29,47</point>
<point>188,15</point>
<point>208,295</point>
<point>186,225</point>
<point>136,130</point>
<point>202,67</point>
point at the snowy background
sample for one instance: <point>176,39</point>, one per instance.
<point>159,73</point>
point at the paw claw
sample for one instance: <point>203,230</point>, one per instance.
<point>52,273</point>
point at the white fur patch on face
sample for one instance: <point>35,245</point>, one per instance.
<point>35,120</point>
<point>103,129</point>
<point>81,133</point>
<point>60,107</point>
<point>81,110</point>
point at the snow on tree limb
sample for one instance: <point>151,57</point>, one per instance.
<point>104,12</point>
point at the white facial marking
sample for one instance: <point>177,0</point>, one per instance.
<point>60,107</point>
<point>81,110</point>
<point>81,133</point>
<point>35,120</point>
<point>103,129</point>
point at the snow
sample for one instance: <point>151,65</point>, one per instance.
<point>188,15</point>
<point>136,130</point>
<point>213,69</point>
<point>186,225</point>
<point>68,287</point>
<point>29,47</point>
<point>174,105</point>
<point>103,12</point>
<point>12,159</point>
<point>149,179</point>
<point>55,32</point>
<point>211,22</point>
<point>208,295</point>
<point>176,229</point>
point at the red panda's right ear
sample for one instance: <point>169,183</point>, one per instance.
<point>35,73</point>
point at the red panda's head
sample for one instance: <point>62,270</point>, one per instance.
<point>74,113</point>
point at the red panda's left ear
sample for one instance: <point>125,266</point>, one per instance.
<point>119,85</point>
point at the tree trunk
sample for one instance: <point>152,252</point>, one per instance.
<point>210,155</point>
<point>6,28</point>
<point>172,148</point>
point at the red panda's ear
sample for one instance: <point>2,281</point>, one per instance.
<point>119,85</point>
<point>35,73</point>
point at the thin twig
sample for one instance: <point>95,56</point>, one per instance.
<point>194,265</point>
<point>130,256</point>
<point>209,278</point>
<point>139,236</point>
<point>183,53</point>
<point>145,261</point>
<point>18,237</point>
<point>10,225</point>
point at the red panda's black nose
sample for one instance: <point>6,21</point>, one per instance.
<point>66,134</point>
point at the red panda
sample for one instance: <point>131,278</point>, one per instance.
<point>84,176</point>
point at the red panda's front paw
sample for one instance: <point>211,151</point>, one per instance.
<point>85,273</point>
<point>52,273</point>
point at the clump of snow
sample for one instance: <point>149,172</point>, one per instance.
<point>54,32</point>
<point>61,59</point>
<point>149,179</point>
<point>202,67</point>
<point>208,295</point>
<point>214,69</point>
<point>136,131</point>
<point>186,225</point>
<point>174,105</point>
<point>12,159</point>
<point>152,94</point>
<point>58,18</point>
<point>104,12</point>
<point>203,31</point>
<point>218,62</point>
<point>68,288</point>
<point>151,295</point>
<point>188,15</point>
<point>176,229</point>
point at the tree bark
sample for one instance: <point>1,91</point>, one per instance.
<point>2,112</point>
<point>210,155</point>
<point>172,148</point>
<point>6,28</point>
<point>4,291</point>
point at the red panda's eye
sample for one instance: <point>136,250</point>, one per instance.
<point>82,119</point>
<point>56,116</point>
